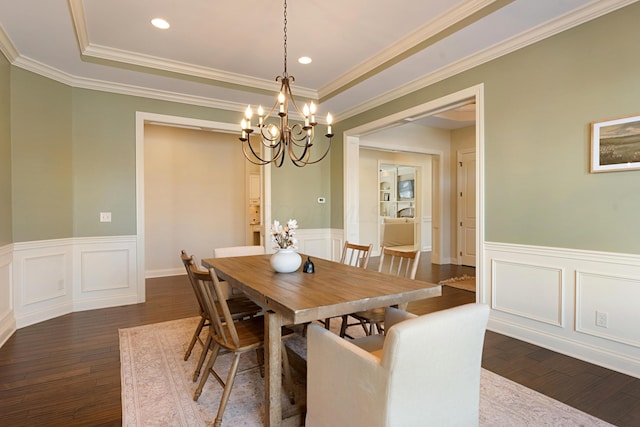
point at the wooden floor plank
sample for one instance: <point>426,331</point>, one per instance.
<point>66,371</point>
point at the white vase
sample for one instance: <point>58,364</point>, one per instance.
<point>286,260</point>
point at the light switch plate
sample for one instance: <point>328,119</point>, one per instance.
<point>105,216</point>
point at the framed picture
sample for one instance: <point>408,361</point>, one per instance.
<point>615,145</point>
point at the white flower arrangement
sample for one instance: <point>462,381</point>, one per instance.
<point>282,236</point>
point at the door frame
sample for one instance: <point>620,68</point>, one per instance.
<point>351,145</point>
<point>143,118</point>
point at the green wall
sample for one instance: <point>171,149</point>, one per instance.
<point>74,157</point>
<point>5,152</point>
<point>295,192</point>
<point>539,103</point>
<point>73,150</point>
<point>41,157</point>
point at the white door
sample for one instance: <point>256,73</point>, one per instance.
<point>467,207</point>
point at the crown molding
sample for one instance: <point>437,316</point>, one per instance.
<point>124,89</point>
<point>149,61</point>
<point>591,11</point>
<point>7,47</point>
<point>428,30</point>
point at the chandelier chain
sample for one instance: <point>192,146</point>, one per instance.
<point>285,38</point>
<point>273,140</point>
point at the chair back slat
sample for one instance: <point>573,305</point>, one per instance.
<point>188,261</point>
<point>221,320</point>
<point>399,263</point>
<point>356,255</point>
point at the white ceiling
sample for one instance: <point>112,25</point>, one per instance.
<point>228,53</point>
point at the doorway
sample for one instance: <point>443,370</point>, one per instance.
<point>442,164</point>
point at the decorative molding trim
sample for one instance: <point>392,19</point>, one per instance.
<point>148,61</point>
<point>152,274</point>
<point>74,274</point>
<point>7,47</point>
<point>592,281</point>
<point>588,283</point>
<point>425,32</point>
<point>591,11</point>
<point>526,271</point>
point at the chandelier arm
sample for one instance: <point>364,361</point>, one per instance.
<point>317,160</point>
<point>257,156</point>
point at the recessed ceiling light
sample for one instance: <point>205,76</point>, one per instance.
<point>304,60</point>
<point>160,23</point>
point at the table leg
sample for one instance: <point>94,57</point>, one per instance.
<point>273,369</point>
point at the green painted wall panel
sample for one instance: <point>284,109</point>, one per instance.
<point>41,157</point>
<point>540,102</point>
<point>104,156</point>
<point>6,235</point>
<point>295,192</point>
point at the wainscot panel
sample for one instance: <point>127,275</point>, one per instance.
<point>526,290</point>
<point>106,273</point>
<point>600,299</point>
<point>579,303</point>
<point>55,277</point>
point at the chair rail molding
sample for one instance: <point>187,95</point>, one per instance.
<point>576,302</point>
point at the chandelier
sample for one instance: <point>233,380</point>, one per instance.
<point>280,137</point>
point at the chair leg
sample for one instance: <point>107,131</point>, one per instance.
<point>203,356</point>
<point>288,379</point>
<point>196,334</point>
<point>260,357</point>
<point>227,389</point>
<point>203,380</point>
<point>368,331</point>
<point>343,327</point>
<point>327,323</point>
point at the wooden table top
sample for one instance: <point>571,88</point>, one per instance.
<point>333,290</point>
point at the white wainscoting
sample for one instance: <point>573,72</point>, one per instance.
<point>56,277</point>
<point>322,242</point>
<point>7,318</point>
<point>551,297</point>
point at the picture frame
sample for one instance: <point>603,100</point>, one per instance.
<point>615,145</point>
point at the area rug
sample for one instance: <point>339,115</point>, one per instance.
<point>157,389</point>
<point>467,283</point>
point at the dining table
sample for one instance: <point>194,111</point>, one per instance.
<point>333,289</point>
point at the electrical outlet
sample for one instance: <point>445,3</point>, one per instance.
<point>105,216</point>
<point>601,319</point>
<point>321,200</point>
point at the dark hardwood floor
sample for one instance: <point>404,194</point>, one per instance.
<point>66,371</point>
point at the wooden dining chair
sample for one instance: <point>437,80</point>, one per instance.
<point>237,337</point>
<point>240,307</point>
<point>357,256</point>
<point>233,251</point>
<point>393,262</point>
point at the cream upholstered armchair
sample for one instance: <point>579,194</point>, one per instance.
<point>424,372</point>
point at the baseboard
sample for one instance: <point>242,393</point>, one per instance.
<point>7,326</point>
<point>152,274</point>
<point>551,297</point>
